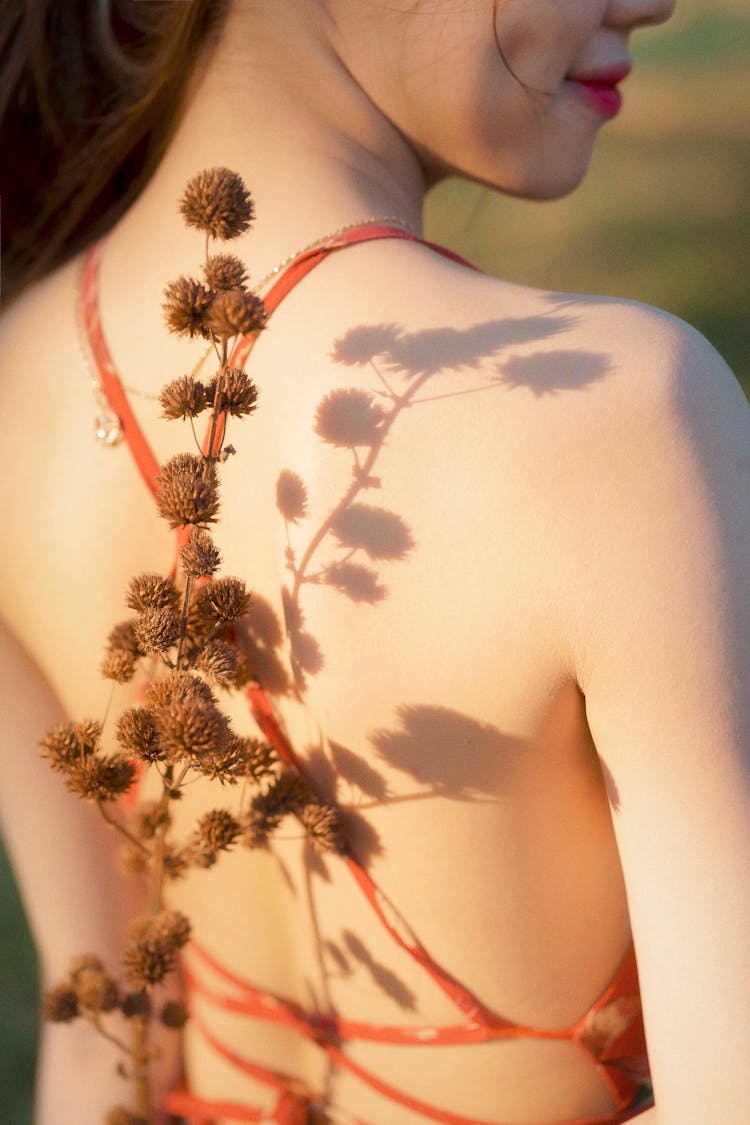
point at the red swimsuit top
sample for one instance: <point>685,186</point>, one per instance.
<point>610,1033</point>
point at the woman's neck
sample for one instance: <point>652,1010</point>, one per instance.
<point>275,102</point>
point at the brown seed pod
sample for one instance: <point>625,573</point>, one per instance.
<point>235,312</point>
<point>217,202</point>
<point>185,306</point>
<point>184,397</point>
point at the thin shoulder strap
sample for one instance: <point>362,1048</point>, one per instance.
<point>146,462</point>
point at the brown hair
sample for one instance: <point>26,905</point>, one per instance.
<point>90,93</point>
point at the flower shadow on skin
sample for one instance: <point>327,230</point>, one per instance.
<point>348,548</point>
<point>454,755</point>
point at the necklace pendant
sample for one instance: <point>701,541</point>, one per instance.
<point>108,429</point>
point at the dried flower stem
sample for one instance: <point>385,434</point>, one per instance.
<point>122,829</point>
<point>97,1024</point>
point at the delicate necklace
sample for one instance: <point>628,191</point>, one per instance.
<point>108,429</point>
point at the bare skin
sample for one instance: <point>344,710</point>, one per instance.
<point>547,708</point>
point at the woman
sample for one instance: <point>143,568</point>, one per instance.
<point>534,699</point>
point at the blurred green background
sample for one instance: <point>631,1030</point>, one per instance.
<point>664,214</point>
<point>663,217</point>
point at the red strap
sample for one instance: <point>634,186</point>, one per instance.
<point>145,461</point>
<point>616,1058</point>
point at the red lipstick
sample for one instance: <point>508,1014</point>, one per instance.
<point>598,88</point>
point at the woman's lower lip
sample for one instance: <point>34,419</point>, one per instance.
<point>607,100</point>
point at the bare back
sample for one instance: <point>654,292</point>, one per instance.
<point>437,697</point>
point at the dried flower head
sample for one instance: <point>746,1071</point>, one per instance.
<point>122,637</point>
<point>225,271</point>
<point>216,831</point>
<point>153,944</point>
<point>101,778</point>
<point>235,312</point>
<point>200,556</point>
<point>83,962</point>
<point>136,1004</point>
<point>178,686</point>
<point>176,861</point>
<point>189,722</point>
<point>67,745</point>
<point>148,818</point>
<point>133,860</point>
<point>157,630</point>
<point>216,201</point>
<point>60,1004</point>
<point>118,665</point>
<point>261,759</point>
<point>324,827</point>
<point>239,395</point>
<point>96,990</point>
<point>218,661</point>
<point>188,491</point>
<point>152,591</point>
<point>226,599</point>
<point>183,398</point>
<point>136,732</point>
<point>186,306</point>
<point>173,1014</point>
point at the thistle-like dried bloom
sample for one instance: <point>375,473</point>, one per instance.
<point>226,599</point>
<point>200,557</point>
<point>118,665</point>
<point>239,394</point>
<point>228,766</point>
<point>183,398</point>
<point>216,201</point>
<point>68,745</point>
<point>83,962</point>
<point>60,1004</point>
<point>122,637</point>
<point>225,271</point>
<point>188,721</point>
<point>157,630</point>
<point>153,944</point>
<point>148,818</point>
<point>152,591</point>
<point>136,732</point>
<point>133,860</point>
<point>186,306</point>
<point>261,759</point>
<point>173,1014</point>
<point>136,1004</point>
<point>188,491</point>
<point>324,827</point>
<point>176,862</point>
<point>178,686</point>
<point>96,991</point>
<point>235,312</point>
<point>100,778</point>
<point>218,660</point>
<point>216,831</point>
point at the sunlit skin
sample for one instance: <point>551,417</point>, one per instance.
<point>480,88</point>
<point>562,653</point>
